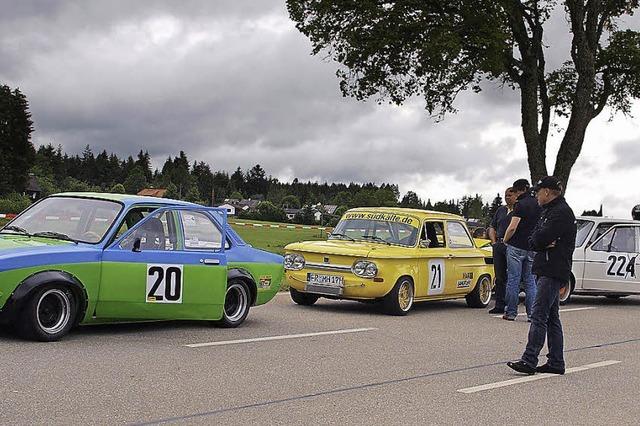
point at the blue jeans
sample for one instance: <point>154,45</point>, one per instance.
<point>519,264</point>
<point>545,322</point>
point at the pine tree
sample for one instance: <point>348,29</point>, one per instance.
<point>18,153</point>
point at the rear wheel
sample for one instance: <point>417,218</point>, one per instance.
<point>400,299</point>
<point>480,296</point>
<point>565,293</point>
<point>236,304</point>
<point>304,299</point>
<point>48,315</point>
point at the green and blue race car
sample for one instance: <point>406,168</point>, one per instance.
<point>80,258</point>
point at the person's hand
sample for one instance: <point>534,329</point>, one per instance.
<point>552,245</point>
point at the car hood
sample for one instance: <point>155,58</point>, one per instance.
<point>17,251</point>
<point>349,248</point>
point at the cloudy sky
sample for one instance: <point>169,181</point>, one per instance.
<point>232,82</point>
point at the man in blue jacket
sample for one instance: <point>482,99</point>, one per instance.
<point>553,240</point>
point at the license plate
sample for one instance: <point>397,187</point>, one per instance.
<point>325,280</point>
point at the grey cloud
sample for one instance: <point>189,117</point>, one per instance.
<point>627,154</point>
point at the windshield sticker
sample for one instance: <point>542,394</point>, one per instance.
<point>384,217</point>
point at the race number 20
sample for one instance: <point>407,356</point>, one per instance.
<point>164,284</point>
<point>436,276</point>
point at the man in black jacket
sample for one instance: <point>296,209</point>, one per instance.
<point>553,240</point>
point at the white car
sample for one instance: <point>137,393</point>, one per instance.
<point>605,260</point>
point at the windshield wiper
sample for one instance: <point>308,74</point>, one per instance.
<point>376,238</point>
<point>16,229</point>
<point>53,234</point>
<point>337,234</point>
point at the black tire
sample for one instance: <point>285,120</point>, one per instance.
<point>237,302</point>
<point>304,299</point>
<point>399,300</point>
<point>565,293</point>
<point>480,296</point>
<point>48,315</point>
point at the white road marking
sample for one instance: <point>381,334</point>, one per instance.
<point>283,337</point>
<point>526,379</point>
<point>561,311</point>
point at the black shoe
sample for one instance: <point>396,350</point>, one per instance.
<point>522,367</point>
<point>508,318</point>
<point>547,369</point>
<point>496,311</point>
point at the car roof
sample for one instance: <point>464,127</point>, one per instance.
<point>126,199</point>
<point>421,214</point>
<point>605,219</point>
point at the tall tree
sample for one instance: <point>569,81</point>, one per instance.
<point>17,150</point>
<point>393,50</point>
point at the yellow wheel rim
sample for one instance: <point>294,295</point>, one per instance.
<point>485,290</point>
<point>405,296</point>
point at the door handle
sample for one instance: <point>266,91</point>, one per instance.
<point>210,261</point>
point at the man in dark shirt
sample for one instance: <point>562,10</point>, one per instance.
<point>498,227</point>
<point>553,240</point>
<point>519,257</point>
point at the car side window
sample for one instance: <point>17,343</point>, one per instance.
<point>433,232</point>
<point>200,233</point>
<point>600,229</point>
<point>618,240</point>
<point>132,217</point>
<point>157,233</point>
<point>458,236</point>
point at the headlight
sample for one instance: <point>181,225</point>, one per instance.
<point>294,262</point>
<point>365,269</point>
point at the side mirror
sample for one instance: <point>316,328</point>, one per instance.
<point>425,243</point>
<point>136,245</point>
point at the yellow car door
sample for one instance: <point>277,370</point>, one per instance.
<point>464,258</point>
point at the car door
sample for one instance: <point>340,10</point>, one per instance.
<point>171,265</point>
<point>610,262</point>
<point>433,255</point>
<point>464,258</point>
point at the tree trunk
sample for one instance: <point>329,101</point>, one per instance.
<point>536,155</point>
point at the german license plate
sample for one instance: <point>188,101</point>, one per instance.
<point>325,280</point>
<point>324,284</point>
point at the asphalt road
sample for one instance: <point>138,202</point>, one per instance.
<point>387,370</point>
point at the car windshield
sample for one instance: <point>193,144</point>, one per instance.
<point>79,219</point>
<point>377,231</point>
<point>584,228</point>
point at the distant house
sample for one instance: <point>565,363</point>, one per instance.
<point>291,213</point>
<point>153,192</point>
<point>231,209</point>
<point>241,205</point>
<point>330,209</point>
<point>33,190</point>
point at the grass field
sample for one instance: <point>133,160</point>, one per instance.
<point>274,239</point>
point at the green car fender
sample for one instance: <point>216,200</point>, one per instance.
<point>29,285</point>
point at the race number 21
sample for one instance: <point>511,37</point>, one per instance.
<point>436,276</point>
<point>164,283</point>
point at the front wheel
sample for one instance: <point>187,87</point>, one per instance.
<point>480,296</point>
<point>236,304</point>
<point>304,299</point>
<point>400,299</point>
<point>48,315</point>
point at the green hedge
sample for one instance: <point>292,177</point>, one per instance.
<point>14,203</point>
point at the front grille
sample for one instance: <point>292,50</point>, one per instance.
<point>329,267</point>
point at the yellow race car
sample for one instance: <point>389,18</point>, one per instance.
<point>393,255</point>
